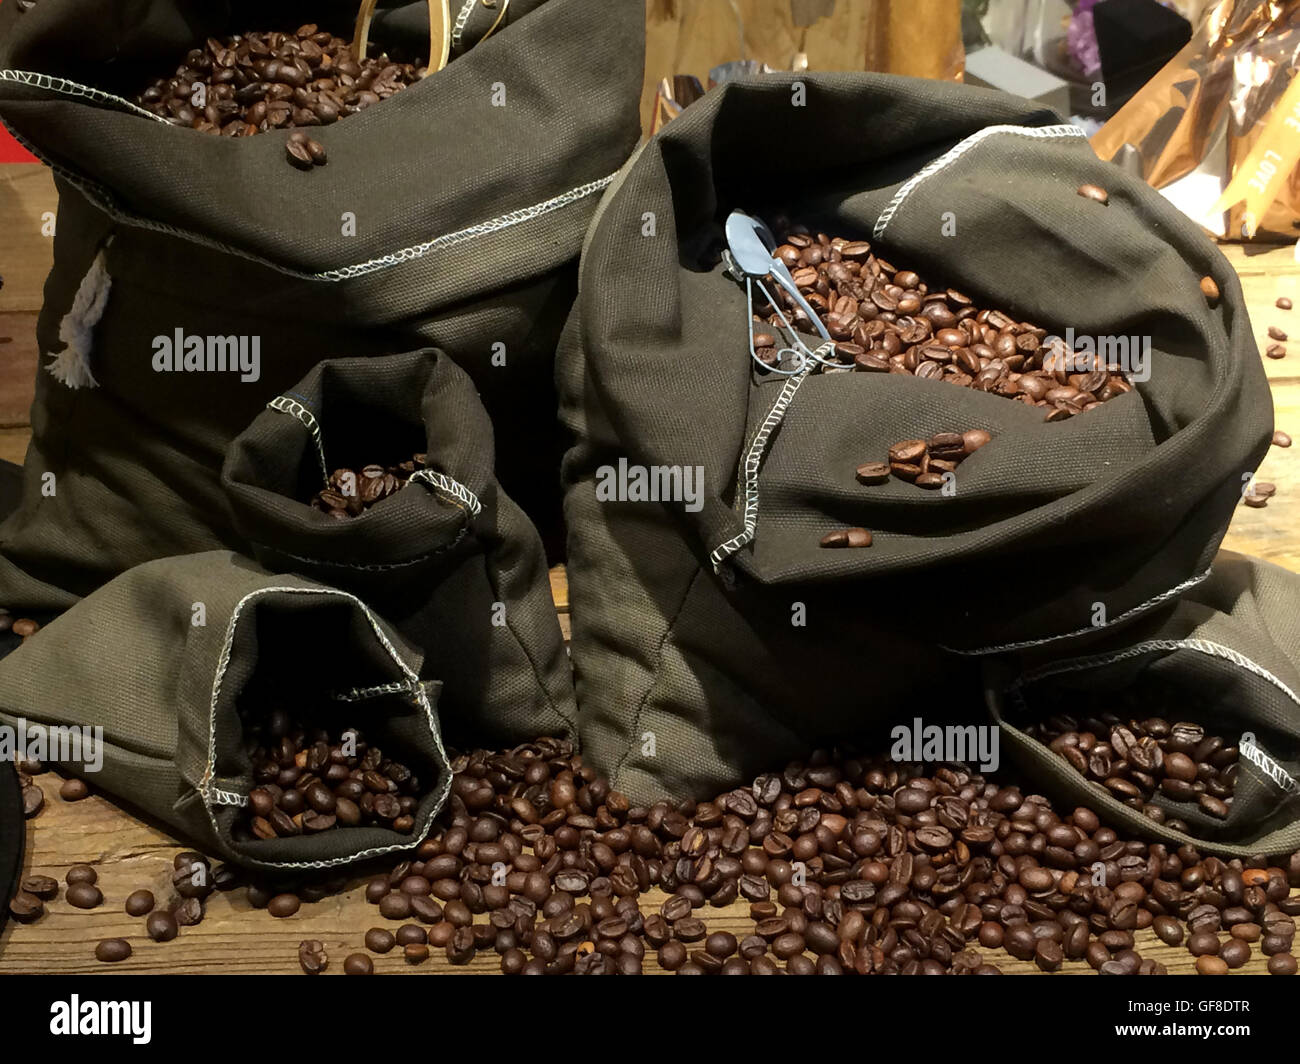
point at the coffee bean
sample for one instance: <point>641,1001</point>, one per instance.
<point>1209,965</point>
<point>1210,289</point>
<point>358,964</point>
<point>312,956</point>
<point>849,537</point>
<point>1281,439</point>
<point>161,926</point>
<point>139,903</point>
<point>83,895</point>
<point>1235,953</point>
<point>1169,930</point>
<point>112,950</point>
<point>411,933</point>
<point>1095,193</point>
<point>43,887</point>
<point>872,473</point>
<point>25,907</point>
<point>298,154</point>
<point>33,800</point>
<point>1276,334</point>
<point>73,790</point>
<point>1281,964</point>
<point>1048,955</point>
<point>283,905</point>
<point>189,912</point>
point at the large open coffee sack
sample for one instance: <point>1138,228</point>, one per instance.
<point>396,455</point>
<point>197,276</point>
<point>152,688</point>
<point>1185,725</point>
<point>717,627</point>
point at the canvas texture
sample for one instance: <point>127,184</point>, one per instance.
<point>692,674</point>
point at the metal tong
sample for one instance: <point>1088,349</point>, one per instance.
<point>749,258</point>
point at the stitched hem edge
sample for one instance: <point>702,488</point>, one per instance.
<point>1274,771</point>
<point>462,19</point>
<point>956,152</point>
<point>753,464</point>
<point>1127,615</point>
<point>101,198</point>
<point>412,687</point>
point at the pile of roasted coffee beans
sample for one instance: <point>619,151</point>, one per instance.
<point>888,320</point>
<point>1133,759</point>
<point>308,781</point>
<point>352,492</point>
<point>848,865</point>
<point>256,82</point>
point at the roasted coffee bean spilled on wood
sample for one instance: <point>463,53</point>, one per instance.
<point>850,865</point>
<point>308,781</point>
<point>1135,759</point>
<point>257,82</point>
<point>888,320</point>
<point>352,492</point>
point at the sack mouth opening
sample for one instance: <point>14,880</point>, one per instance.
<point>293,467</point>
<point>279,644</point>
<point>127,71</point>
<point>1210,685</point>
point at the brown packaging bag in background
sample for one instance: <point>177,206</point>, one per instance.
<point>1211,115</point>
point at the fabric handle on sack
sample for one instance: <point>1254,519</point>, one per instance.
<point>71,366</point>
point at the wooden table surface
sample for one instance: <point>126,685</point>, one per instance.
<point>234,938</point>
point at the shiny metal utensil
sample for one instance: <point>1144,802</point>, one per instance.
<point>749,257</point>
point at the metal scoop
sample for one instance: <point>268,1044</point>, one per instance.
<point>749,257</point>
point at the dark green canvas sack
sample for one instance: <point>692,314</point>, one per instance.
<point>684,615</point>
<point>1226,657</point>
<point>469,217</point>
<point>169,695</point>
<point>449,560</point>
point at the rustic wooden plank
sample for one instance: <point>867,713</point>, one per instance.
<point>13,444</point>
<point>1273,532</point>
<point>26,254</point>
<point>560,588</point>
<point>18,363</point>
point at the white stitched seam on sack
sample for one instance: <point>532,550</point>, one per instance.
<point>445,485</point>
<point>1140,608</point>
<point>99,197</point>
<point>458,30</point>
<point>285,404</point>
<point>955,153</point>
<point>361,694</point>
<point>213,796</point>
<point>71,88</point>
<point>1201,646</point>
<point>372,567</point>
<point>753,462</point>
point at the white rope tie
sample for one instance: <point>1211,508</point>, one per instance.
<point>71,366</point>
